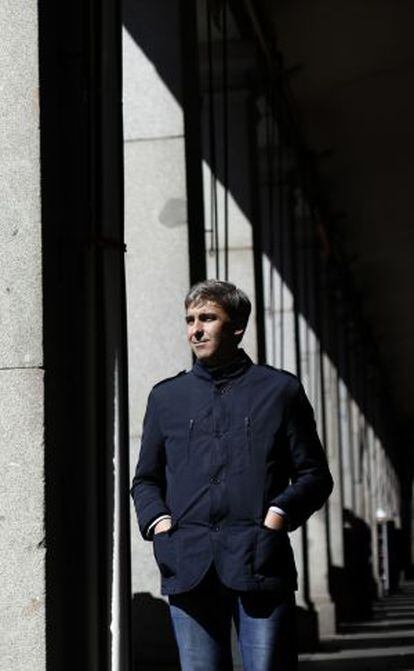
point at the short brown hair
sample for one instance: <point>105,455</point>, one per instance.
<point>233,300</point>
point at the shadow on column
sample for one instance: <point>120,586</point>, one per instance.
<point>395,556</point>
<point>154,645</point>
<point>307,629</point>
<point>353,587</point>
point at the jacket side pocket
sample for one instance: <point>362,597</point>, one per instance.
<point>164,553</point>
<point>271,552</point>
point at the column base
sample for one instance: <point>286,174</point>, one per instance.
<point>326,614</point>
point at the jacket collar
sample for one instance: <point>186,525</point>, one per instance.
<point>234,369</point>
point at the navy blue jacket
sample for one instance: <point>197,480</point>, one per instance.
<point>218,448</point>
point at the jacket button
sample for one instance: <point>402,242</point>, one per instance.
<point>215,481</point>
<point>216,528</point>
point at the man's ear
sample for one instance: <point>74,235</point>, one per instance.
<point>238,333</point>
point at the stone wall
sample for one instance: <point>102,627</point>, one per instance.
<point>22,548</point>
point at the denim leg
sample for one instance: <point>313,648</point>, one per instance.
<point>266,628</point>
<point>201,621</point>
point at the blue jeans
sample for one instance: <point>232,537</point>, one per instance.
<point>265,625</point>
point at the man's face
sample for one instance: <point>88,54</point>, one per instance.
<point>211,334</point>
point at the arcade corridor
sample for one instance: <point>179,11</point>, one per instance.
<point>261,148</point>
<point>149,144</point>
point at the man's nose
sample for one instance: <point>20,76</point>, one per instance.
<point>197,330</point>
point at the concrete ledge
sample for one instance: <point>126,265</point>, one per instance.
<point>22,545</point>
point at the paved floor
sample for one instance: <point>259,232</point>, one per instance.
<point>385,642</point>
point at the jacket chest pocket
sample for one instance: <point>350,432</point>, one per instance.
<point>191,442</point>
<point>241,447</point>
<point>178,447</point>
<point>200,443</point>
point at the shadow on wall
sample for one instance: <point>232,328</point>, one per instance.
<point>353,587</point>
<point>154,645</point>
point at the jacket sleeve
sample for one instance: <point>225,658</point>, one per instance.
<point>148,484</point>
<point>311,482</point>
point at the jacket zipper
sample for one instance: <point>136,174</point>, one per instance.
<point>190,431</point>
<point>248,437</point>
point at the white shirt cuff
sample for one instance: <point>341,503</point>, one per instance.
<point>155,522</point>
<point>278,511</point>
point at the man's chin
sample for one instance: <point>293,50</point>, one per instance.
<point>203,353</point>
<point>202,356</point>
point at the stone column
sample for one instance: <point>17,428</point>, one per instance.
<point>22,532</point>
<point>157,264</point>
<point>358,444</point>
<point>276,243</point>
<point>278,299</point>
<point>227,176</point>
<point>348,437</point>
<point>334,447</point>
<point>365,479</point>
<point>318,566</point>
<point>311,375</point>
<point>371,496</point>
<point>392,492</point>
<point>395,499</point>
<point>411,558</point>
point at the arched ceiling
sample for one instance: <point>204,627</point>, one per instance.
<point>354,89</point>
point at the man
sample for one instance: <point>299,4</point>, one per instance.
<point>230,461</point>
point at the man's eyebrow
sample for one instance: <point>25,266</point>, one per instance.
<point>201,315</point>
